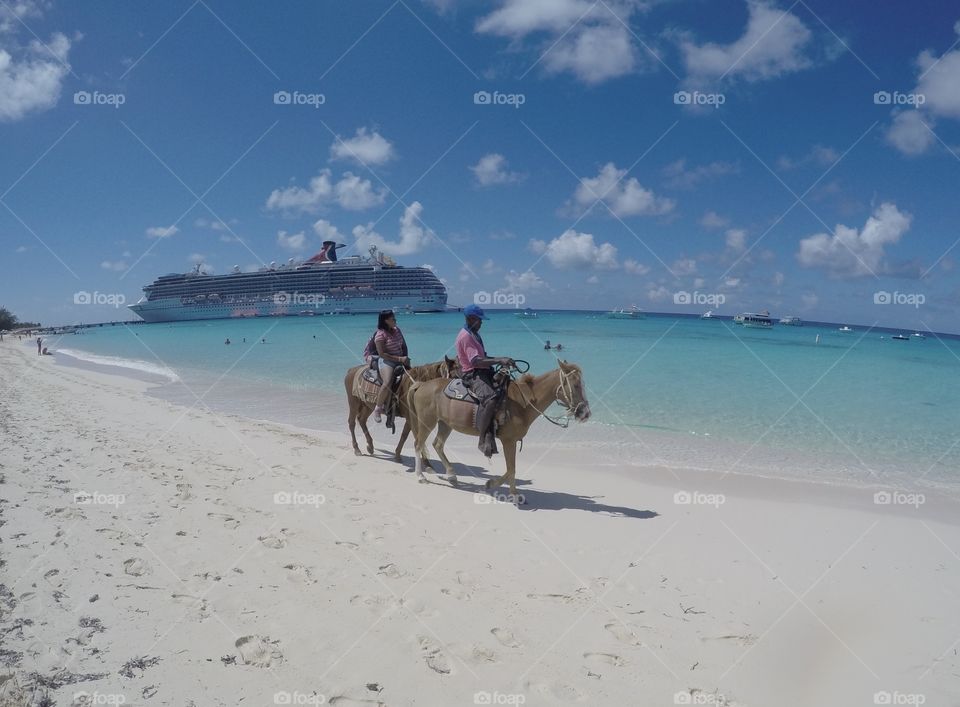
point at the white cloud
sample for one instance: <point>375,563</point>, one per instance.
<point>852,253</point>
<point>351,192</point>
<point>527,280</point>
<point>593,54</point>
<point>712,219</point>
<point>908,133</point>
<point>162,231</point>
<point>625,197</point>
<point>356,194</point>
<point>492,169</point>
<point>634,267</point>
<point>576,250</point>
<point>679,176</point>
<point>773,43</point>
<point>736,239</point>
<point>819,154</point>
<point>297,198</point>
<point>593,280</point>
<point>22,249</point>
<point>683,267</point>
<point>293,241</point>
<point>659,293</point>
<point>114,265</point>
<point>938,82</point>
<point>326,230</point>
<point>31,80</point>
<point>413,236</point>
<point>588,39</point>
<point>366,148</point>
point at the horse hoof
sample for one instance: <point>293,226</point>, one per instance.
<point>397,458</point>
<point>488,485</point>
<point>452,478</point>
<point>421,478</point>
<point>356,451</point>
<point>370,449</point>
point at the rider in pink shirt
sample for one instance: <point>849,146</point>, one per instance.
<point>477,370</point>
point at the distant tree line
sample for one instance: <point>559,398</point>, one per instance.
<point>8,320</point>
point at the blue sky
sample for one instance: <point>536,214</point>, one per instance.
<point>587,186</point>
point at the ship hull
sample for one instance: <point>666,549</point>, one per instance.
<point>172,310</point>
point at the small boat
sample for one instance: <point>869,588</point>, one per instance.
<point>633,313</point>
<point>845,329</point>
<point>756,320</point>
<point>918,335</point>
<point>525,314</point>
<point>791,321</point>
<point>900,337</point>
<point>708,315</point>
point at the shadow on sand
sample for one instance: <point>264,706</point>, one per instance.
<point>472,480</point>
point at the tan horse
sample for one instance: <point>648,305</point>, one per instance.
<point>527,398</point>
<point>360,406</point>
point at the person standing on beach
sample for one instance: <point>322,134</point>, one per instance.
<point>39,346</point>
<point>477,370</point>
<point>392,350</point>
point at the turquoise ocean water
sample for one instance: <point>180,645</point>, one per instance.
<point>856,407</point>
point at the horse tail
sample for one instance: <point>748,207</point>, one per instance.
<point>408,399</point>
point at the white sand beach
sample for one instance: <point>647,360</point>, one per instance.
<point>154,554</point>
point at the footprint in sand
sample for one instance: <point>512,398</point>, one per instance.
<point>371,601</point>
<point>391,570</point>
<point>274,542</point>
<point>348,545</point>
<point>420,609</point>
<point>458,593</point>
<point>30,605</point>
<point>258,651</point>
<point>135,567</point>
<point>298,574</point>
<point>355,501</point>
<point>506,637</point>
<point>482,654</point>
<point>623,634</point>
<point>600,659</point>
<point>433,656</point>
<point>343,701</point>
<point>199,609</point>
<point>229,522</point>
<point>371,538</point>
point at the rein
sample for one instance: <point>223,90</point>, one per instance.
<point>563,421</point>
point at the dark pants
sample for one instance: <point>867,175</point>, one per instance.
<point>480,383</point>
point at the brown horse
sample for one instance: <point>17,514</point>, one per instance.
<point>361,406</point>
<point>527,398</point>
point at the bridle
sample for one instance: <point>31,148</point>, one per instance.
<point>564,396</point>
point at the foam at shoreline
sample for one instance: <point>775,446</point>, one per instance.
<point>153,369</point>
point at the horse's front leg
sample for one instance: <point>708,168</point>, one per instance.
<point>404,433</point>
<point>352,424</point>
<point>510,456</point>
<point>362,417</point>
<point>443,431</point>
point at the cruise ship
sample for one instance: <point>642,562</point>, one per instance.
<point>323,284</point>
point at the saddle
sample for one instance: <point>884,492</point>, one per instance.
<point>367,387</point>
<point>456,389</point>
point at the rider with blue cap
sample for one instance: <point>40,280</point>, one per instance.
<point>477,369</point>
